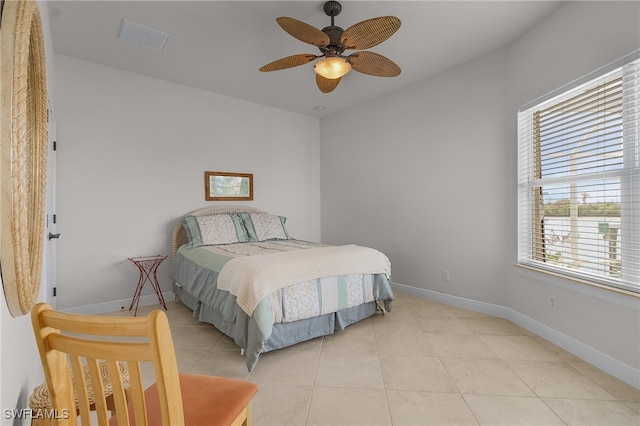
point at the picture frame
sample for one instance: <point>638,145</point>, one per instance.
<point>227,186</point>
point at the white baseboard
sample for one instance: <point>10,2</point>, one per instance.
<point>119,305</point>
<point>610,365</point>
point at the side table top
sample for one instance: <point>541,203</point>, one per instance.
<point>147,258</point>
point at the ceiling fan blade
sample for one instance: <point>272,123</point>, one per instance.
<point>327,85</point>
<point>369,33</point>
<point>373,64</point>
<point>303,31</point>
<point>288,62</point>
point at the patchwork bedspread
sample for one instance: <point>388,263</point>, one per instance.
<point>252,278</point>
<point>198,271</point>
<point>273,273</point>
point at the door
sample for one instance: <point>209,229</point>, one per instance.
<point>48,292</point>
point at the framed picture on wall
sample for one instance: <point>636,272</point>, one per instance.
<point>226,186</point>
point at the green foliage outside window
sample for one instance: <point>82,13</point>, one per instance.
<point>561,208</point>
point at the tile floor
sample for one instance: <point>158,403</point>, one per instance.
<point>425,363</point>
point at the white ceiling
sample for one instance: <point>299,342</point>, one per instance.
<point>218,46</point>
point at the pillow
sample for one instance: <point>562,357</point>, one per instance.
<point>224,228</point>
<point>264,226</point>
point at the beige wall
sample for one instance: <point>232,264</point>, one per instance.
<point>131,160</point>
<point>428,175</point>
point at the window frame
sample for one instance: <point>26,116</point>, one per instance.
<point>531,219</point>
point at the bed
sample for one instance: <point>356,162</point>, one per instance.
<point>238,268</point>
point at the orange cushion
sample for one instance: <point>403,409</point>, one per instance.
<point>207,400</point>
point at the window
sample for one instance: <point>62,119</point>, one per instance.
<point>579,179</point>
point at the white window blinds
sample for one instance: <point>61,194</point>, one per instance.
<point>579,180</point>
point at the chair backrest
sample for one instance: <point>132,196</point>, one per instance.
<point>68,341</point>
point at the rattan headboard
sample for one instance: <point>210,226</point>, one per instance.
<point>179,238</point>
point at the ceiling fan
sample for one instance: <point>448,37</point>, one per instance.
<point>333,41</point>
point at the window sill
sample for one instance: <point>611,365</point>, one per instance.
<point>611,294</point>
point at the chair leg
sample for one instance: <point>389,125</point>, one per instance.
<point>41,421</point>
<point>247,420</point>
<point>244,418</point>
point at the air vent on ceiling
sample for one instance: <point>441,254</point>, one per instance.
<point>140,35</point>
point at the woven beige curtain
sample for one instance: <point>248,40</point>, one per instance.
<point>23,153</point>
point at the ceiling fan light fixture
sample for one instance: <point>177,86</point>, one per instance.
<point>332,67</point>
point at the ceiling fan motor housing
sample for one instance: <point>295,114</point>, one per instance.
<point>335,44</point>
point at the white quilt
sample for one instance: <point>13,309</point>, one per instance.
<point>252,278</point>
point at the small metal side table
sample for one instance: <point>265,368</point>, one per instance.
<point>148,267</point>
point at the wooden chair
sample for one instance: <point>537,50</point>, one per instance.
<point>67,342</point>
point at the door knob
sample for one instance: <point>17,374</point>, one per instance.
<point>51,236</point>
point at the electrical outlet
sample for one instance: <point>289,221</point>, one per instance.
<point>445,275</point>
<point>553,304</point>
